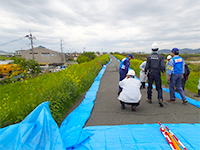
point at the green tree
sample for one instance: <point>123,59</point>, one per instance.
<point>33,66</point>
<point>28,65</point>
<point>86,57</point>
<point>82,59</point>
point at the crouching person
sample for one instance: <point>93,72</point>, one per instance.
<point>130,94</point>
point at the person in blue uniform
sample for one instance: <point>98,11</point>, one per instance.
<point>154,66</point>
<point>175,72</point>
<point>123,68</point>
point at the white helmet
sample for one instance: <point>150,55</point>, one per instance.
<point>154,46</point>
<point>169,57</point>
<point>131,72</point>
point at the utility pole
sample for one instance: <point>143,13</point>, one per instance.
<point>62,51</point>
<point>61,46</point>
<point>30,37</point>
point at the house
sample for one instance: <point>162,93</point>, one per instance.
<point>72,56</point>
<point>43,55</point>
<point>75,55</point>
<point>2,53</point>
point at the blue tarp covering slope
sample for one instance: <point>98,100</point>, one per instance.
<point>190,100</point>
<point>37,131</point>
<point>71,128</point>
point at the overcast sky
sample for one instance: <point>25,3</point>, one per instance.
<point>100,25</point>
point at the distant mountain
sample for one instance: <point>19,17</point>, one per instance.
<point>2,51</point>
<point>182,51</point>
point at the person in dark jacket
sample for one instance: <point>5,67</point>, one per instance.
<point>185,76</point>
<point>154,66</point>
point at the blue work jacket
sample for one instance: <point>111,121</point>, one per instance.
<point>176,65</point>
<point>125,63</point>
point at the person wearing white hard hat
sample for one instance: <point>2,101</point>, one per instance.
<point>167,63</point>
<point>154,66</point>
<point>130,94</point>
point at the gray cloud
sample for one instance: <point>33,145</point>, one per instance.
<point>111,25</point>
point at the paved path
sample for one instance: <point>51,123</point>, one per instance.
<point>107,109</point>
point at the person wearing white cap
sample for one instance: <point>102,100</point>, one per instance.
<point>167,63</point>
<point>130,94</point>
<point>168,59</point>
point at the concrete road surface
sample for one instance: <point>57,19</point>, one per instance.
<point>107,109</point>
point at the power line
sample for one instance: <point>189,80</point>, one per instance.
<point>30,37</point>
<point>12,41</point>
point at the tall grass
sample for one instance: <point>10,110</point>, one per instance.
<point>193,81</point>
<point>62,89</point>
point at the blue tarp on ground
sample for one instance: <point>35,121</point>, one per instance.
<point>139,137</point>
<point>39,131</point>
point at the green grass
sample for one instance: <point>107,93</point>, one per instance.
<point>3,57</point>
<point>62,89</point>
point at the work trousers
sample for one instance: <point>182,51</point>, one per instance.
<point>154,76</point>
<point>175,80</point>
<point>183,82</point>
<point>122,75</point>
<point>133,104</point>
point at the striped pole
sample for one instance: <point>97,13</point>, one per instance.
<point>176,138</point>
<point>175,143</point>
<point>166,137</point>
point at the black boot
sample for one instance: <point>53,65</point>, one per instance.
<point>143,84</point>
<point>198,95</point>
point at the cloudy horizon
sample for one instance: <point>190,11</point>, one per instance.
<point>100,25</point>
